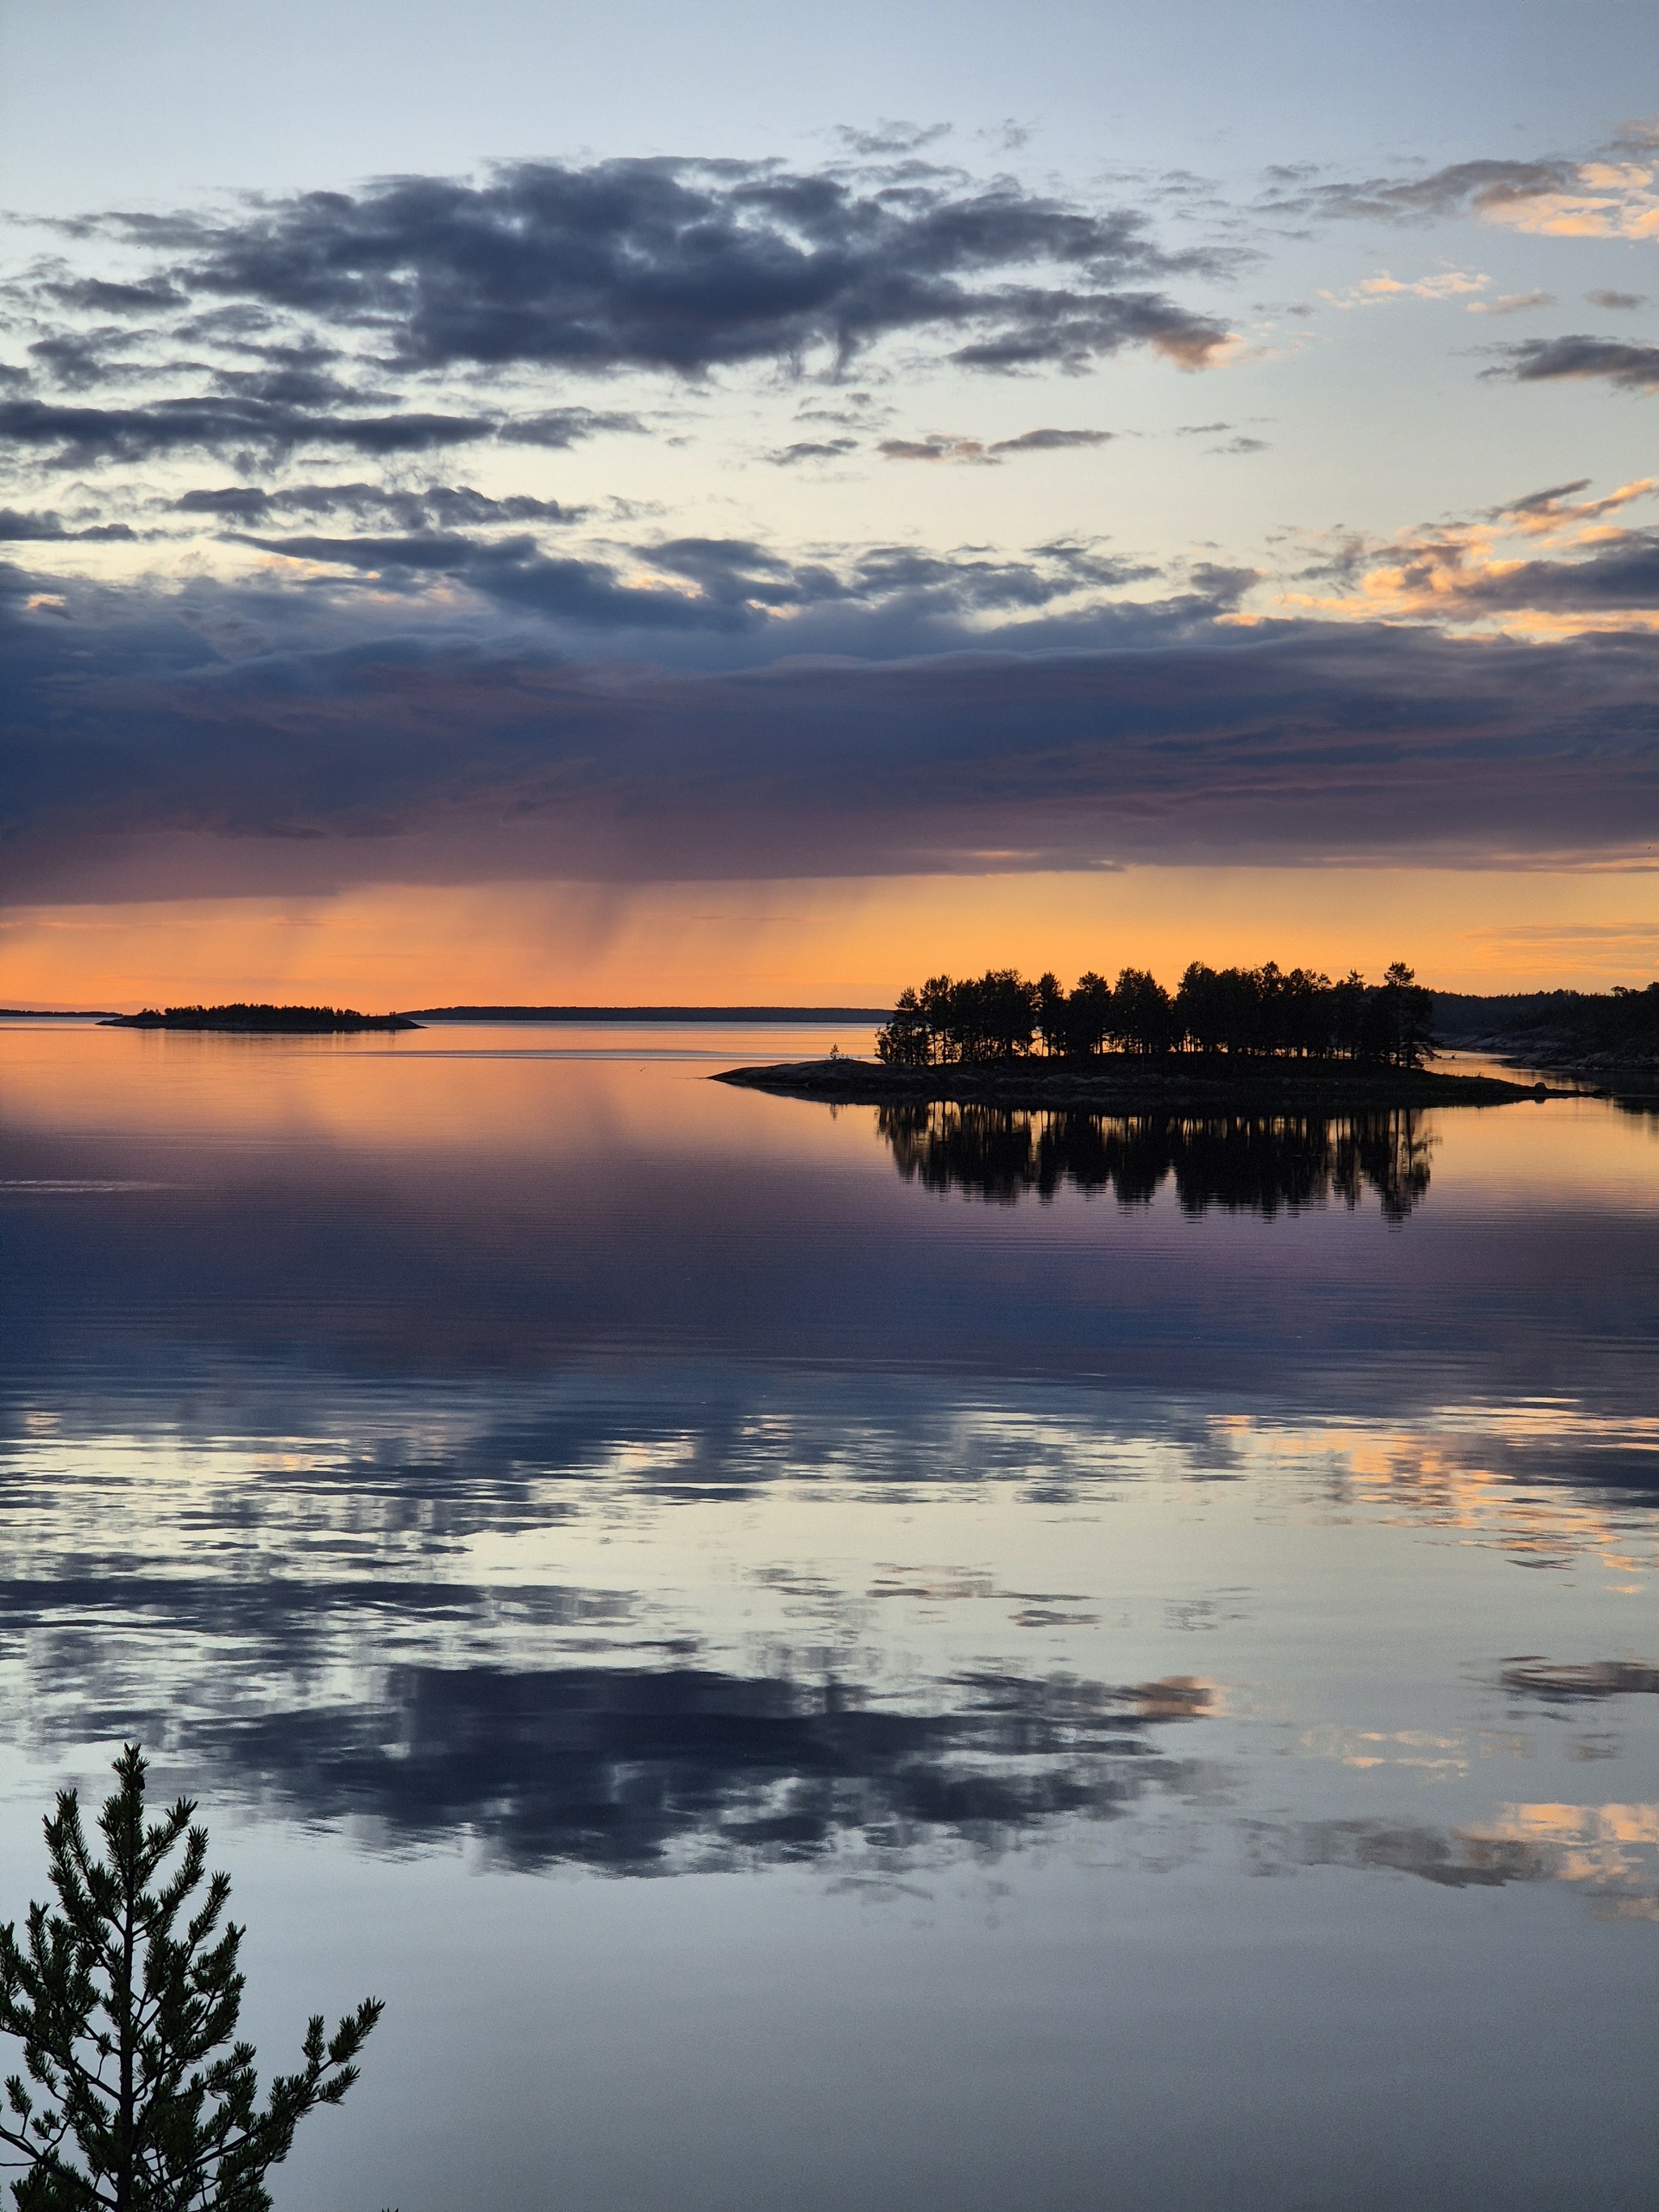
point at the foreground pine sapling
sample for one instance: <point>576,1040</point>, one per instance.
<point>137,2097</point>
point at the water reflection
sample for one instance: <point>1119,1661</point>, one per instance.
<point>1253,1165</point>
<point>592,1468</point>
<point>685,1768</point>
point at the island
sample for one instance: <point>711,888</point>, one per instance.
<point>1132,1083</point>
<point>1257,1042</point>
<point>245,1020</point>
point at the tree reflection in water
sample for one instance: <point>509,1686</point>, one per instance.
<point>1252,1165</point>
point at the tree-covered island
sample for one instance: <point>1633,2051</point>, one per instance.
<point>241,1019</point>
<point>1257,1039</point>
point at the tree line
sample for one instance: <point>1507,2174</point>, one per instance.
<point>1266,1011</point>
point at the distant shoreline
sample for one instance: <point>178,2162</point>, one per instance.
<point>734,1015</point>
<point>1123,1082</point>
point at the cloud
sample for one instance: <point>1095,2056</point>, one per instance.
<point>1511,303</point>
<point>1596,574</point>
<point>891,137</point>
<point>16,528</point>
<point>724,585</point>
<point>1374,291</point>
<point>339,742</point>
<point>1556,508</point>
<point>934,448</point>
<point>1241,444</point>
<point>1052,441</point>
<point>102,297</point>
<point>1540,361</point>
<point>1611,195</point>
<point>81,437</point>
<point>686,267</point>
<point>1478,187</point>
<point>560,427</point>
<point>938,448</point>
<point>449,506</point>
<point>808,449</point>
<point>1618,302</point>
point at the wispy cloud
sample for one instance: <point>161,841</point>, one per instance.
<point>1378,290</point>
<point>1511,303</point>
<point>1549,563</point>
<point>978,451</point>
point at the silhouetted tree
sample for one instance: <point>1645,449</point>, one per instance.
<point>1053,1012</point>
<point>1142,1017</point>
<point>1089,1014</point>
<point>1266,1010</point>
<point>125,2012</point>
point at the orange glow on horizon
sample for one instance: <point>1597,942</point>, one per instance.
<point>848,942</point>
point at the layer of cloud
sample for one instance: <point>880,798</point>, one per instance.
<point>284,742</point>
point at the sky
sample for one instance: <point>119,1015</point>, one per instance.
<point>529,502</point>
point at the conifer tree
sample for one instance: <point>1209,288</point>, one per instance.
<point>138,2097</point>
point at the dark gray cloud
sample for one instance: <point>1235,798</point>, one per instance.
<point>688,266</point>
<point>725,585</point>
<point>809,449</point>
<point>81,437</point>
<point>327,741</point>
<point>100,296</point>
<point>1051,441</point>
<point>1540,361</point>
<point>559,427</point>
<point>17,528</point>
<point>1621,575</point>
<point>453,507</point>
<point>1618,302</point>
<point>266,416</point>
<point>938,447</point>
<point>79,360</point>
<point>1547,502</point>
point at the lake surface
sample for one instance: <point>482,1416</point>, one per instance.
<point>826,1660</point>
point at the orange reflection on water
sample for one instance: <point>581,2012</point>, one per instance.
<point>1613,1851</point>
<point>512,1089</point>
<point>1449,1473</point>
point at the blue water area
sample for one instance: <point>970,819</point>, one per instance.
<point>828,1658</point>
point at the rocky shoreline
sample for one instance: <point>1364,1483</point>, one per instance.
<point>1120,1083</point>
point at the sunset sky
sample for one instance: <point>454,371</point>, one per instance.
<point>531,502</point>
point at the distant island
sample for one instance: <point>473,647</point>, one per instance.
<point>1255,1040</point>
<point>243,1020</point>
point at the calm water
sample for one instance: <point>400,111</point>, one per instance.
<point>820,1661</point>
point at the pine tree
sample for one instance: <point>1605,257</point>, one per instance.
<point>138,2098</point>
